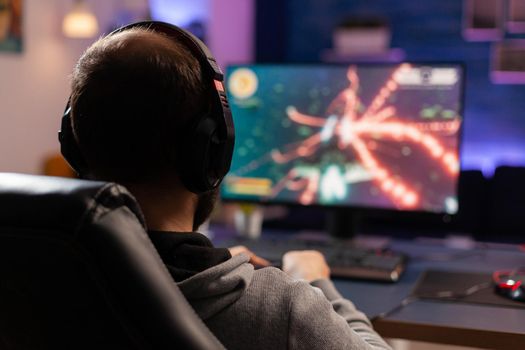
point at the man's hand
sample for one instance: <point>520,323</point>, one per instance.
<point>254,259</point>
<point>308,265</point>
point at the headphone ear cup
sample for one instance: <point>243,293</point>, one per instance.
<point>199,168</point>
<point>69,147</point>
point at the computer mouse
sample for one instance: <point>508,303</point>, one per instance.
<point>510,284</point>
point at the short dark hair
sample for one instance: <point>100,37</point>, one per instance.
<point>134,96</point>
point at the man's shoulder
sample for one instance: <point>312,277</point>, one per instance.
<point>273,277</point>
<point>259,319</point>
<point>273,281</point>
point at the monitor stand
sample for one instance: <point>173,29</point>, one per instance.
<point>342,223</point>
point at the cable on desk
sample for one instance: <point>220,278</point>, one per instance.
<point>402,304</point>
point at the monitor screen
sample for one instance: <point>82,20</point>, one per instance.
<point>366,135</point>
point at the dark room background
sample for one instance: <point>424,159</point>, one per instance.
<point>430,30</point>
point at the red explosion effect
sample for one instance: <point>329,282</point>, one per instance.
<point>355,130</point>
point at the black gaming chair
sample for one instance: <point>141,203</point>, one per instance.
<point>78,271</point>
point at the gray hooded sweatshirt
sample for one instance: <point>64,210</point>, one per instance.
<point>266,309</point>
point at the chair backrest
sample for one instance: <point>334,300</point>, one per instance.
<point>78,271</point>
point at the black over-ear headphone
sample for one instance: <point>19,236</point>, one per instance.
<point>208,157</point>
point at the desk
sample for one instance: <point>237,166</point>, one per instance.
<point>438,321</point>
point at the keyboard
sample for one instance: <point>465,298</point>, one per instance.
<point>345,260</point>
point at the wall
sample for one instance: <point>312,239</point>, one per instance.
<point>230,24</point>
<point>231,31</point>
<point>34,85</point>
<point>494,129</point>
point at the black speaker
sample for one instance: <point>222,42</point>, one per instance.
<point>204,165</point>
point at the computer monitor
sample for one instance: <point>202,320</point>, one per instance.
<point>378,136</point>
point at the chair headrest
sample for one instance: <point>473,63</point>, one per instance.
<point>106,246</point>
<point>58,203</point>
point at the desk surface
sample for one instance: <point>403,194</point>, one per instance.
<point>439,321</point>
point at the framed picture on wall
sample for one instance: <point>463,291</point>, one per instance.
<point>516,16</point>
<point>11,25</point>
<point>483,20</point>
<point>508,62</point>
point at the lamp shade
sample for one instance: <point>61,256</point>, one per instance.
<point>80,22</point>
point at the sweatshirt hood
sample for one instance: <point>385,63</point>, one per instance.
<point>214,289</point>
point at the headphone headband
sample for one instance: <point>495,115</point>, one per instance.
<point>190,41</point>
